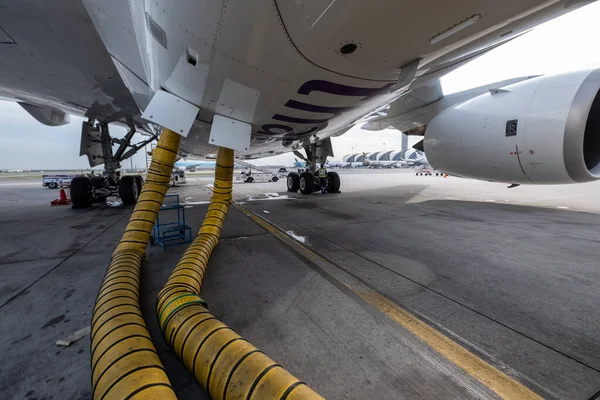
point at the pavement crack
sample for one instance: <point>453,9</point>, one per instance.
<point>63,260</point>
<point>453,215</point>
<point>28,261</point>
<point>449,299</point>
<point>374,220</point>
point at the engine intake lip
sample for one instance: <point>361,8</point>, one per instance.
<point>582,132</point>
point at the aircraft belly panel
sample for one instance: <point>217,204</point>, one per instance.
<point>58,60</point>
<point>373,39</point>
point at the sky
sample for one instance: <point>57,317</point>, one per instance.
<point>566,43</point>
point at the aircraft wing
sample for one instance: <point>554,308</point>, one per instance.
<point>412,112</point>
<point>53,63</point>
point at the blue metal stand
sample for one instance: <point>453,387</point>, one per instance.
<point>174,232</point>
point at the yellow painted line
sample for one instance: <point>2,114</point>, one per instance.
<point>500,383</point>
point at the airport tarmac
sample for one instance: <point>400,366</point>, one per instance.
<point>507,279</point>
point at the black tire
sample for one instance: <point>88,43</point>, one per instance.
<point>81,192</point>
<point>140,183</point>
<point>52,185</point>
<point>128,190</point>
<point>333,182</point>
<point>307,183</point>
<point>249,179</point>
<point>293,182</point>
<point>275,179</point>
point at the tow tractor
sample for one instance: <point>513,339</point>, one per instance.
<point>54,181</point>
<point>306,179</point>
<point>97,145</point>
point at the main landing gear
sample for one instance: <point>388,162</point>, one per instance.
<point>308,183</point>
<point>306,180</point>
<point>96,188</point>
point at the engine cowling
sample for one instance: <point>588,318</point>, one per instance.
<point>545,130</point>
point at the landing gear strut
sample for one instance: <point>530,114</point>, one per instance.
<point>306,179</point>
<point>97,144</point>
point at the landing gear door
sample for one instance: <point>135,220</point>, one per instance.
<point>324,150</point>
<point>91,144</point>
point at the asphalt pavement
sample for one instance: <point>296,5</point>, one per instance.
<point>508,275</point>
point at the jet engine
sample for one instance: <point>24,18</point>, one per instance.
<point>545,130</point>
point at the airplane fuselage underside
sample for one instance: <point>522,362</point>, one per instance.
<point>292,70</point>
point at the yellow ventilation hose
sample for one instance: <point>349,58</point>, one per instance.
<point>226,365</point>
<point>125,364</point>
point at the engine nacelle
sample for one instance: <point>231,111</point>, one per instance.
<point>545,130</point>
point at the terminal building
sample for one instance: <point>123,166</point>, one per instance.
<point>410,156</point>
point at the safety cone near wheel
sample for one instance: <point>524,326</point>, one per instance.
<point>62,200</point>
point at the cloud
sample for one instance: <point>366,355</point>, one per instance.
<point>27,144</point>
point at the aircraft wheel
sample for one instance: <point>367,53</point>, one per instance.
<point>293,182</point>
<point>249,179</point>
<point>275,179</point>
<point>307,183</point>
<point>128,190</point>
<point>140,183</point>
<point>81,192</point>
<point>333,182</point>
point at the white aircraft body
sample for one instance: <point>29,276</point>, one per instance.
<point>292,74</point>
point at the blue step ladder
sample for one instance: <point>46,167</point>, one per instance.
<point>171,232</point>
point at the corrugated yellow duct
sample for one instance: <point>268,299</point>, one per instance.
<point>226,365</point>
<point>125,364</point>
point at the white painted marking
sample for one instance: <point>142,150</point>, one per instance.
<point>301,239</point>
<point>283,197</point>
<point>563,207</point>
<point>266,212</point>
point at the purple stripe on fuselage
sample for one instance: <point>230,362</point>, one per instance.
<point>325,87</point>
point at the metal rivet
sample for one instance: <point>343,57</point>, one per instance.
<point>181,130</point>
<point>152,116</point>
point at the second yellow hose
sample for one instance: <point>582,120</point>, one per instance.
<point>225,364</point>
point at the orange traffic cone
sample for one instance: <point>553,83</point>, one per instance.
<point>62,200</point>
